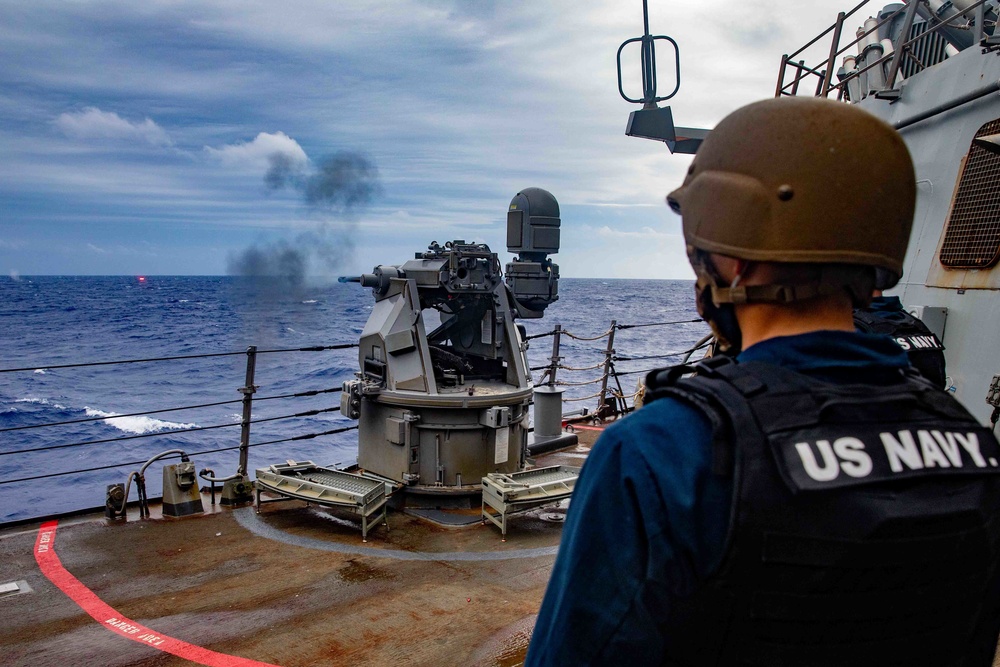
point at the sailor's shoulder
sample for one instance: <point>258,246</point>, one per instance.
<point>669,419</point>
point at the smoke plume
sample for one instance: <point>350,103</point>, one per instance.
<point>341,186</point>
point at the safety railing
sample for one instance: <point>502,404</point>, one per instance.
<point>879,62</point>
<point>10,449</point>
<point>598,375</point>
<point>612,398</point>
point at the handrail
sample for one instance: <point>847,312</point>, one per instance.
<point>308,413</point>
<point>612,399</point>
<point>824,69</point>
<point>823,34</point>
<point>658,324</point>
<point>314,348</point>
<point>614,396</point>
<point>300,394</point>
<point>207,451</point>
<point>830,62</point>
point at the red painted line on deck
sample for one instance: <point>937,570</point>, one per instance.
<point>106,615</point>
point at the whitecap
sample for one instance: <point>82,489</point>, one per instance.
<point>310,301</point>
<point>137,425</point>
<point>41,371</point>
<point>41,401</point>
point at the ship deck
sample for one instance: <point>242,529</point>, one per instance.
<point>293,586</point>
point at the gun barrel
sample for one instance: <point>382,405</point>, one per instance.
<point>349,279</point>
<point>373,279</point>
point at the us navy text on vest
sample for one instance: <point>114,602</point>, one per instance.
<point>888,454</point>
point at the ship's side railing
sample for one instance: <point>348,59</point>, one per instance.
<point>248,392</point>
<point>889,65</point>
<point>612,401</point>
<point>612,398</point>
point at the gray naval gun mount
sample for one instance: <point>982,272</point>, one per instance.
<point>443,389</point>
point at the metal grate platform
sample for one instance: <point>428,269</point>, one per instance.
<point>510,493</point>
<point>306,481</point>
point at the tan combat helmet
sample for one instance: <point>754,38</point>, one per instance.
<point>798,180</point>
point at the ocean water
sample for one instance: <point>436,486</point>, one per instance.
<point>51,321</point>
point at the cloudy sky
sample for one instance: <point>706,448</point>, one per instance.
<point>195,137</point>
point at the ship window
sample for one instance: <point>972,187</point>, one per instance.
<point>972,237</point>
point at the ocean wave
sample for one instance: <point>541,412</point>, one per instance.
<point>310,301</point>
<point>41,371</point>
<point>41,401</point>
<point>137,425</point>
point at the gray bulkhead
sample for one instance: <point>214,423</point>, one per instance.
<point>940,146</point>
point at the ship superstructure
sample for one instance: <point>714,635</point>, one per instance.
<point>932,71</point>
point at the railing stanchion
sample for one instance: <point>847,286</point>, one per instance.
<point>555,355</point>
<point>899,50</point>
<point>834,48</point>
<point>780,90</point>
<point>247,390</point>
<point>980,18</point>
<point>799,66</point>
<point>602,406</point>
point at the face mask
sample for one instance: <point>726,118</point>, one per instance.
<point>720,317</point>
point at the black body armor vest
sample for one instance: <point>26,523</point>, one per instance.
<point>865,523</point>
<point>922,346</point>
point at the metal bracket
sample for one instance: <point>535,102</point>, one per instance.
<point>993,394</point>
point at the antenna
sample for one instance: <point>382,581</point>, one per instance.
<point>649,98</point>
<point>653,122</point>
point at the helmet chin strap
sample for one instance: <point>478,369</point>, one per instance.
<point>721,317</point>
<point>716,300</point>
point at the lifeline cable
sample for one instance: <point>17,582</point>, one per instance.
<point>585,368</point>
<point>308,436</point>
<point>657,324</point>
<point>666,355</point>
<point>308,413</point>
<point>314,392</point>
<point>120,438</point>
<point>207,451</point>
<point>581,384</point>
<point>540,335</point>
<point>586,339</point>
<point>316,348</point>
<point>131,414</point>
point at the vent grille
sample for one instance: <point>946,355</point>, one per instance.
<point>927,52</point>
<point>972,238</point>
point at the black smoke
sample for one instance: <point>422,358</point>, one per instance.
<point>283,171</point>
<point>279,261</point>
<point>342,182</point>
<point>334,193</point>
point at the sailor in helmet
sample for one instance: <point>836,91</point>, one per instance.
<point>805,498</point>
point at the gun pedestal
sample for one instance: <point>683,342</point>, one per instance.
<point>443,388</point>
